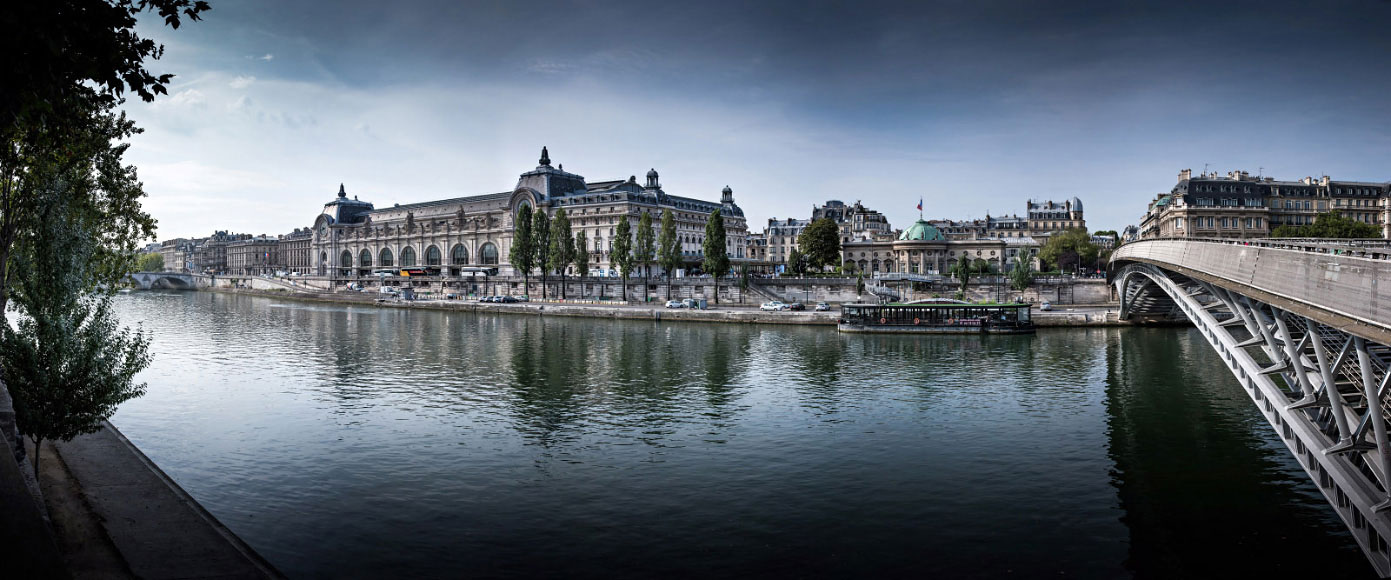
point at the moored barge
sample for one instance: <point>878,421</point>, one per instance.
<point>937,318</point>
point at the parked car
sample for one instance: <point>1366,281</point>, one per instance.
<point>773,305</point>
<point>512,299</point>
<point>387,290</point>
<point>822,307</point>
<point>688,303</point>
<point>675,304</point>
<point>1045,305</point>
<point>796,306</point>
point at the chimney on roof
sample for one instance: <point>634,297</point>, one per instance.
<point>1185,175</point>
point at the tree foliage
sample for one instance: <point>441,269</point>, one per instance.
<point>796,262</point>
<point>521,254</point>
<point>67,44</point>
<point>581,258</point>
<point>743,281</point>
<point>645,248</point>
<point>1022,276</point>
<point>668,249</point>
<point>622,254</point>
<point>151,262</point>
<point>1329,225</point>
<point>66,361</point>
<point>819,243</point>
<point>562,251</point>
<point>541,244</point>
<point>716,254</point>
<point>1069,248</point>
<point>962,271</point>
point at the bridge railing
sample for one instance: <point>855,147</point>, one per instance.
<point>1371,248</point>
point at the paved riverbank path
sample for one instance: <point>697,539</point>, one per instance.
<point>160,531</point>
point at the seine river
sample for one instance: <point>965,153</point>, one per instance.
<point>360,442</point>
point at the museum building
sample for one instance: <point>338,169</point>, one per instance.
<point>449,237</point>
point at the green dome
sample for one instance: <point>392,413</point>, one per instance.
<point>921,231</point>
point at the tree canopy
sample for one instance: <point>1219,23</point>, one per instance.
<point>521,254</point>
<point>1329,225</point>
<point>1068,249</point>
<point>562,251</point>
<point>151,262</point>
<point>716,254</point>
<point>541,244</point>
<point>1022,275</point>
<point>668,249</point>
<point>645,248</point>
<point>66,361</point>
<point>819,243</point>
<point>622,255</point>
<point>581,257</point>
<point>56,48</point>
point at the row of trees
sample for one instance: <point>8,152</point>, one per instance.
<point>1072,249</point>
<point>70,208</point>
<point>1329,225</point>
<point>547,244</point>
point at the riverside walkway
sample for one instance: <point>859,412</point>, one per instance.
<point>157,530</point>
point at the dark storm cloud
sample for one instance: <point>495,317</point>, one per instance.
<point>1050,98</point>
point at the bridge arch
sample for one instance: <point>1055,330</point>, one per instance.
<point>1303,328</point>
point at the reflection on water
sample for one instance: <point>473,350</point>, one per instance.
<point>1208,488</point>
<point>355,442</point>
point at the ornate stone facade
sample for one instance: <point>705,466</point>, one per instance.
<point>254,256</point>
<point>352,238</point>
<point>923,249</point>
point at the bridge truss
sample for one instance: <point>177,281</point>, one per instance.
<point>1322,389</point>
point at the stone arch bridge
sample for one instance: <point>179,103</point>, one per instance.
<point>1305,327</point>
<point>166,280</point>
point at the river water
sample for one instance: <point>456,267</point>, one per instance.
<point>346,441</point>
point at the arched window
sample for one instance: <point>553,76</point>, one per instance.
<point>407,257</point>
<point>323,263</point>
<point>459,256</point>
<point>487,255</point>
<point>364,260</point>
<point>432,256</point>
<point>386,257</point>
<point>347,259</point>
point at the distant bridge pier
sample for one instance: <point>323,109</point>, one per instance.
<point>1305,331</point>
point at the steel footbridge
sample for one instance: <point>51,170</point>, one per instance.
<point>1305,327</point>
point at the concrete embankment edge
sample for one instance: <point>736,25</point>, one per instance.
<point>159,529</point>
<point>27,546</point>
<point>733,315</point>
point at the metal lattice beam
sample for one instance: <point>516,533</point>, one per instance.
<point>1323,390</point>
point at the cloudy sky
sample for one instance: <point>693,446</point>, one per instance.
<point>973,106</point>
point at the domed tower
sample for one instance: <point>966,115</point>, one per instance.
<point>652,182</point>
<point>727,196</point>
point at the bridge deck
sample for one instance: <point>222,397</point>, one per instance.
<point>1346,286</point>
